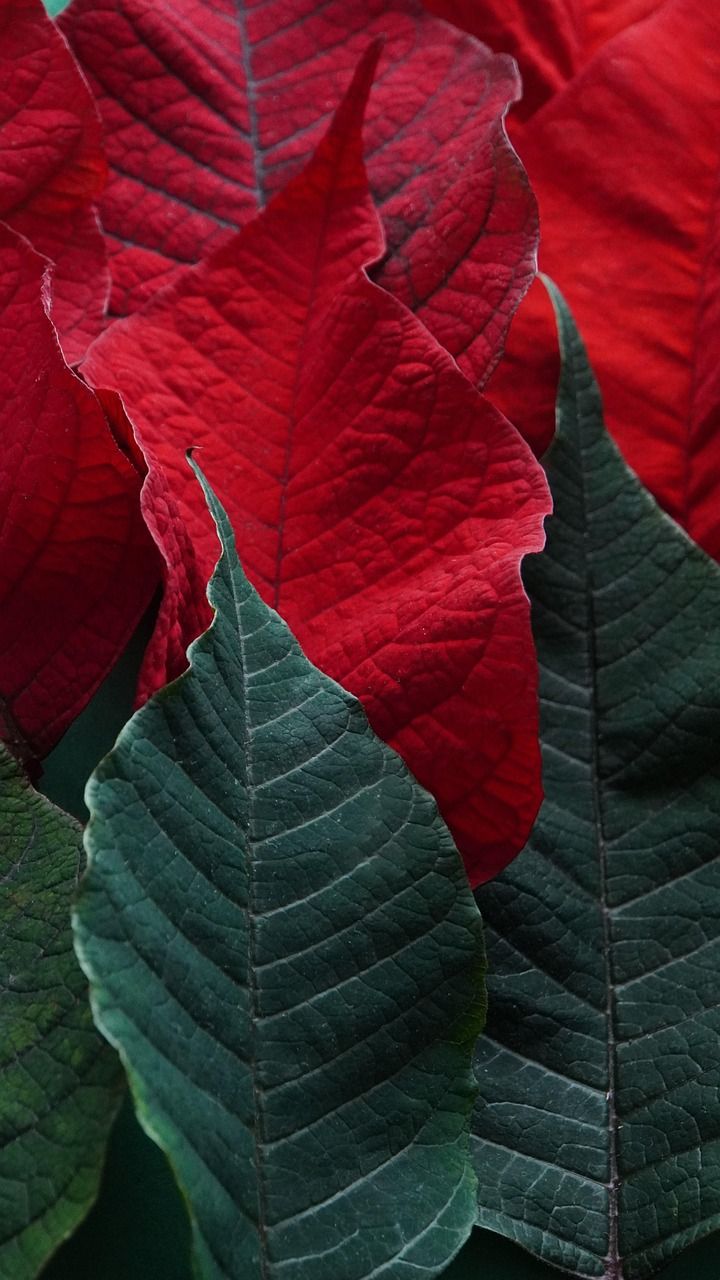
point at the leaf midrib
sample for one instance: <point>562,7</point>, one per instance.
<point>291,416</point>
<point>251,95</point>
<point>613,1262</point>
<point>252,913</point>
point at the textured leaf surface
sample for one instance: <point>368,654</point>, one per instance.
<point>631,233</point>
<point>77,567</point>
<point>381,504</point>
<point>550,39</point>
<point>59,1079</point>
<point>210,108</point>
<point>52,166</point>
<point>598,1135</point>
<point>282,943</point>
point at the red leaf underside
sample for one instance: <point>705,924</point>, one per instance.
<point>210,108</point>
<point>77,568</point>
<point>52,167</point>
<point>380,503</point>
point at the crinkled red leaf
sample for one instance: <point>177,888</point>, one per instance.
<point>77,567</point>
<point>184,611</point>
<point>210,108</point>
<point>550,39</point>
<point>379,501</point>
<point>625,162</point>
<point>52,167</point>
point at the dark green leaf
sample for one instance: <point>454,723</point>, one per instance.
<point>282,944</point>
<point>598,1136</point>
<point>488,1256</point>
<point>60,1082</point>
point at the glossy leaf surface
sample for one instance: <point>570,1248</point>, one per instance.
<point>77,567</point>
<point>52,166</point>
<point>60,1083</point>
<point>210,109</point>
<point>281,941</point>
<point>597,1139</point>
<point>381,504</point>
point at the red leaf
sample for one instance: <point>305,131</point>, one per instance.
<point>550,39</point>
<point>603,19</point>
<point>52,166</point>
<point>210,109</point>
<point>625,162</point>
<point>184,610</point>
<point>379,501</point>
<point>542,35</point>
<point>77,568</point>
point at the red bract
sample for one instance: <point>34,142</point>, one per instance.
<point>76,565</point>
<point>379,502</point>
<point>52,166</point>
<point>551,39</point>
<point>625,164</point>
<point>210,109</point>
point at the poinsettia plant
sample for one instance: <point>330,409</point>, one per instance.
<point>258,266</point>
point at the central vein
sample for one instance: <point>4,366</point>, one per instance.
<point>613,1261</point>
<point>252,105</point>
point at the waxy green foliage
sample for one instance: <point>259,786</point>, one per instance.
<point>597,1140</point>
<point>59,1080</point>
<point>282,944</point>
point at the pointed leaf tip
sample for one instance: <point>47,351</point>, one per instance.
<point>604,935</point>
<point>281,941</point>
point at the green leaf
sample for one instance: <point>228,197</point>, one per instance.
<point>138,1228</point>
<point>60,1082</point>
<point>282,944</point>
<point>597,1141</point>
<point>488,1256</point>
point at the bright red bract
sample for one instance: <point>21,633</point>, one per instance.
<point>550,39</point>
<point>77,567</point>
<point>52,167</point>
<point>625,161</point>
<point>378,500</point>
<point>210,109</point>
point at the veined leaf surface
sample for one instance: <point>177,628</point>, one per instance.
<point>381,504</point>
<point>209,109</point>
<point>282,944</point>
<point>59,1079</point>
<point>77,567</point>
<point>597,1140</point>
<point>52,167</point>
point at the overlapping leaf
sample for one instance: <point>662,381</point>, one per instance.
<point>59,1080</point>
<point>625,162</point>
<point>598,1138</point>
<point>282,943</point>
<point>210,109</point>
<point>381,504</point>
<point>52,166</point>
<point>77,567</point>
<point>550,39</point>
